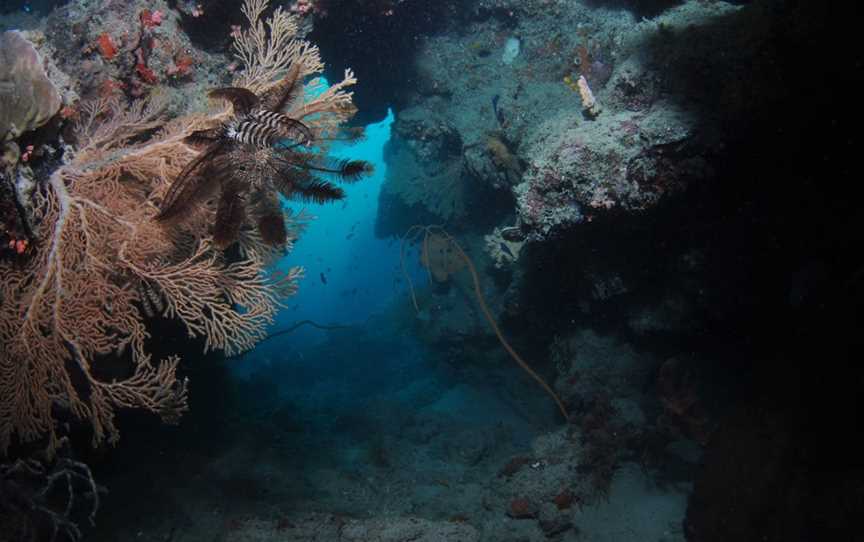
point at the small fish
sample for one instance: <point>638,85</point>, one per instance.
<point>323,278</point>
<point>505,249</point>
<point>349,236</point>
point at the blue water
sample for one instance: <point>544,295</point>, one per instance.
<point>340,245</point>
<point>350,275</point>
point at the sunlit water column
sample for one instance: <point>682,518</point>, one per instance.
<point>350,274</point>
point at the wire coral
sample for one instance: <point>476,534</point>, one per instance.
<point>75,309</point>
<point>442,256</point>
<point>37,502</point>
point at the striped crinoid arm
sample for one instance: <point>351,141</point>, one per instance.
<point>196,181</point>
<point>284,126</point>
<point>230,214</point>
<point>285,91</point>
<point>268,216</point>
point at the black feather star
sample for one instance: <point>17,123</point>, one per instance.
<point>253,157</point>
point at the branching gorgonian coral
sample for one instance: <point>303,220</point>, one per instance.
<point>76,307</point>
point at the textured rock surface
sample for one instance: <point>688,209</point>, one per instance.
<point>29,98</point>
<point>336,528</point>
<point>523,131</point>
<point>627,160</point>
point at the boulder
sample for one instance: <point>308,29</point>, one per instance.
<point>28,98</point>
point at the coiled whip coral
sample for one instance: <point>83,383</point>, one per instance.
<point>442,256</point>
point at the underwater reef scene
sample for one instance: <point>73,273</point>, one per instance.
<point>437,271</point>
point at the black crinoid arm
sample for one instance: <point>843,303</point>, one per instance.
<point>252,158</point>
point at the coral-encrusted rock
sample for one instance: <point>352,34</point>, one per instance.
<point>522,508</point>
<point>555,525</point>
<point>131,48</point>
<point>28,99</point>
<point>626,161</point>
<point>493,161</point>
<point>513,466</point>
<point>565,499</point>
<point>432,138</point>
